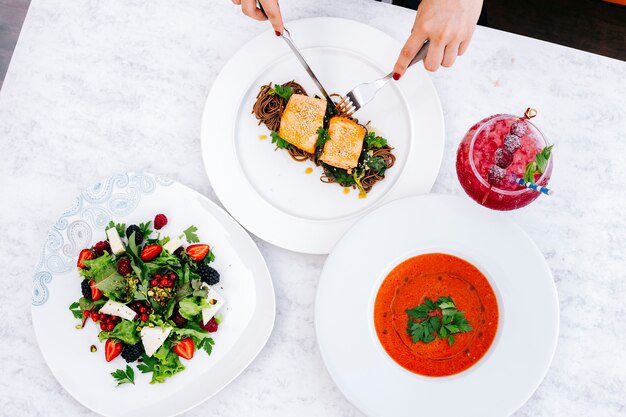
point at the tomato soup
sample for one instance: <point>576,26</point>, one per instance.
<point>432,276</point>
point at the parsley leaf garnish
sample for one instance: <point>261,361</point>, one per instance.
<point>124,376</point>
<point>207,345</point>
<point>373,141</point>
<point>538,165</point>
<point>147,364</point>
<point>424,327</point>
<point>279,142</point>
<point>322,137</point>
<point>120,227</point>
<point>282,91</point>
<point>190,234</point>
<point>76,310</point>
<point>145,230</point>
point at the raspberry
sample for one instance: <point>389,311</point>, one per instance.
<point>496,175</point>
<point>519,128</point>
<point>503,158</point>
<point>123,266</point>
<point>132,352</point>
<point>138,235</point>
<point>207,274</point>
<point>85,289</point>
<point>159,221</point>
<point>512,143</point>
<point>211,325</point>
<point>101,246</point>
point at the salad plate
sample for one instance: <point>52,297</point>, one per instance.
<point>192,233</point>
<point>283,201</point>
<point>490,367</point>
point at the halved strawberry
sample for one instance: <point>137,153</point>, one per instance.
<point>184,348</point>
<point>198,251</point>
<point>84,255</point>
<point>150,252</point>
<point>96,294</point>
<point>112,348</point>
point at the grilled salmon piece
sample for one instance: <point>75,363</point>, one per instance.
<point>344,147</point>
<point>302,117</point>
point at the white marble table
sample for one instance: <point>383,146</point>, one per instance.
<point>101,87</point>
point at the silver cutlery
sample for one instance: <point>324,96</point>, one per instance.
<point>362,94</point>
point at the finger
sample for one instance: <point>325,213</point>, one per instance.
<point>408,52</point>
<point>249,9</point>
<point>272,10</point>
<point>236,2</point>
<point>449,55</point>
<point>463,46</point>
<point>434,57</point>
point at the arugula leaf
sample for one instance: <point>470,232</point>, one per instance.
<point>279,142</point>
<point>125,330</point>
<point>76,310</point>
<point>423,327</point>
<point>124,376</point>
<point>120,227</point>
<point>322,137</point>
<point>538,165</point>
<point>282,91</point>
<point>373,141</point>
<point>190,234</point>
<point>90,305</point>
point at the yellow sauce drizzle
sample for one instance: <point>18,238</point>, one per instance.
<point>308,170</point>
<point>262,137</point>
<point>346,191</point>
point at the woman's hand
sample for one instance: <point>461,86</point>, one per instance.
<point>448,24</point>
<point>272,12</point>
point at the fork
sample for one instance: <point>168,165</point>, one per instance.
<point>364,93</point>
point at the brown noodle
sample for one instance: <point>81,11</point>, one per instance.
<point>268,109</point>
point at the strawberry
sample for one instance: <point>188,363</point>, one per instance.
<point>96,294</point>
<point>112,348</point>
<point>84,255</point>
<point>184,348</point>
<point>151,252</point>
<point>198,251</point>
<point>160,221</point>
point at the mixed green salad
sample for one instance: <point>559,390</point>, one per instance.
<point>152,297</point>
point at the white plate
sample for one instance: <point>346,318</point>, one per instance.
<point>247,288</point>
<point>529,314</point>
<point>268,192</point>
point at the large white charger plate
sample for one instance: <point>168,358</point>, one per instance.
<point>245,284</point>
<point>525,342</point>
<point>268,192</point>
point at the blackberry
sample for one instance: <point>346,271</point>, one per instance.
<point>207,274</point>
<point>132,352</point>
<point>86,289</point>
<point>138,235</point>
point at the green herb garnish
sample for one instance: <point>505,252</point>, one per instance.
<point>282,91</point>
<point>424,327</point>
<point>279,142</point>
<point>373,141</point>
<point>120,227</point>
<point>538,165</point>
<point>124,376</point>
<point>76,310</point>
<point>322,137</point>
<point>207,345</point>
<point>190,234</point>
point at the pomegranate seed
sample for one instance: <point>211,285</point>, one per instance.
<point>110,327</point>
<point>142,309</point>
<point>157,276</point>
<point>154,282</point>
<point>163,282</point>
<point>144,317</point>
<point>94,316</point>
<point>85,313</point>
<point>100,316</point>
<point>172,276</point>
<point>103,326</point>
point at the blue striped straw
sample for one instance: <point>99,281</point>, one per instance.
<point>533,186</point>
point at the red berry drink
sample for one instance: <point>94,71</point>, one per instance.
<point>493,153</point>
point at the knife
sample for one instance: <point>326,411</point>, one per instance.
<point>287,37</point>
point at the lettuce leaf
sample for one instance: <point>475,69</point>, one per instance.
<point>167,364</point>
<point>192,306</point>
<point>126,331</point>
<point>103,271</point>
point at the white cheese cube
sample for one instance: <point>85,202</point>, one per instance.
<point>173,244</point>
<point>114,308</point>
<point>216,301</point>
<point>153,337</point>
<point>115,241</point>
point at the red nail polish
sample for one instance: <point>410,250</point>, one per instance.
<point>396,76</point>
<point>277,33</point>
